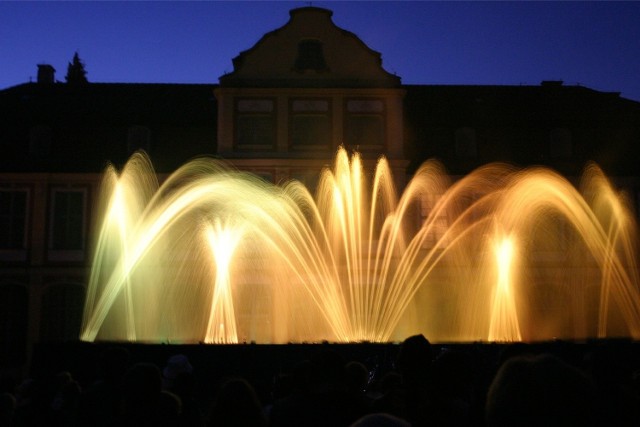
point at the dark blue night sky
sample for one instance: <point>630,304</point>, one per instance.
<point>595,44</point>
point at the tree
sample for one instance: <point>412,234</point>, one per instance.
<point>76,74</point>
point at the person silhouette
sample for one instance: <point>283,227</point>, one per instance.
<point>540,390</point>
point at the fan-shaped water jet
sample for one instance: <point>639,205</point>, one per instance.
<point>217,255</point>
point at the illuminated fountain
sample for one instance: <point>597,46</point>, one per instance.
<point>219,256</point>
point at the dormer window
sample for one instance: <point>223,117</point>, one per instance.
<point>310,56</point>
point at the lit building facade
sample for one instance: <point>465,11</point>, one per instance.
<point>300,92</point>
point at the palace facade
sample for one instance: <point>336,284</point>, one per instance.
<point>300,92</point>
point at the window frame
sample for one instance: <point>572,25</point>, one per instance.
<point>55,253</point>
<point>313,108</point>
<point>250,107</point>
<point>366,107</point>
<point>18,254</point>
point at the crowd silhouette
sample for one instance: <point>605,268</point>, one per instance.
<point>424,385</point>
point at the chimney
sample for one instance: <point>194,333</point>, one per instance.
<point>46,74</point>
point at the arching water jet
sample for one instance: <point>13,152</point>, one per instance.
<point>497,255</point>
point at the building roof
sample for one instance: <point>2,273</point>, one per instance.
<point>88,124</point>
<point>513,124</point>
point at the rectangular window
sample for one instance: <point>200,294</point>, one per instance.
<point>255,124</point>
<point>13,223</point>
<point>13,218</point>
<point>67,229</point>
<point>364,128</point>
<point>310,124</point>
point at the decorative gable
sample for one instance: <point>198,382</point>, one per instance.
<point>309,51</point>
<point>302,91</point>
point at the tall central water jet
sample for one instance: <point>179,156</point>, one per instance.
<point>504,316</point>
<point>217,255</point>
<point>222,320</point>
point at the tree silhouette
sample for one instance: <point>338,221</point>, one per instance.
<point>76,74</point>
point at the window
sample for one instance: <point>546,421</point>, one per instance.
<point>310,124</point>
<point>255,124</point>
<point>310,56</point>
<point>465,143</point>
<point>138,138</point>
<point>560,146</point>
<point>364,125</point>
<point>13,218</point>
<point>67,229</point>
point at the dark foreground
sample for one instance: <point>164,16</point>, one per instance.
<point>337,384</point>
<point>260,363</point>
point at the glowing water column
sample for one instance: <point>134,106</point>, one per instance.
<point>118,217</point>
<point>504,315</point>
<point>223,241</point>
<point>349,264</point>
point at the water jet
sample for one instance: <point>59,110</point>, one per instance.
<point>218,255</point>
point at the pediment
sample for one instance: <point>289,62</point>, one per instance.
<point>309,51</point>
